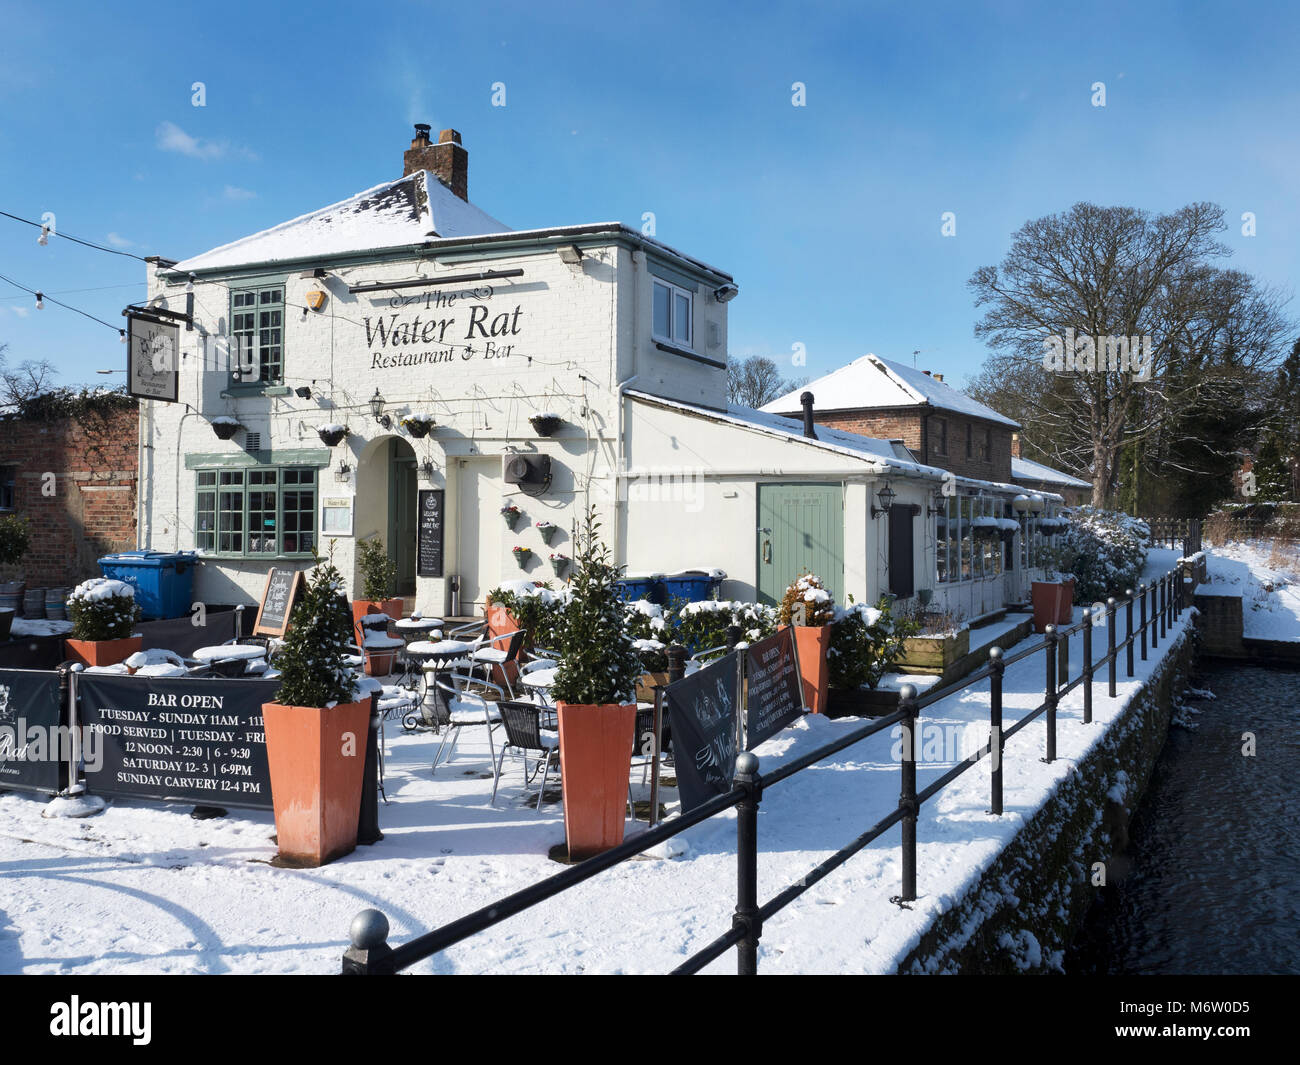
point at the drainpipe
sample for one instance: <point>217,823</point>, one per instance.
<point>621,451</point>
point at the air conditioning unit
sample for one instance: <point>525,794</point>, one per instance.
<point>530,470</point>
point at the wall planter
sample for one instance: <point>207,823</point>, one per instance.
<point>1051,600</point>
<point>418,425</point>
<point>933,654</point>
<point>595,759</point>
<point>560,563</point>
<point>102,652</point>
<point>812,642</point>
<point>331,435</point>
<point>225,428</point>
<point>522,555</point>
<point>315,786</point>
<point>511,514</point>
<point>546,424</point>
<point>548,529</point>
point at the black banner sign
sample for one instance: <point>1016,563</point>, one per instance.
<point>429,536</point>
<point>774,696</point>
<point>702,709</point>
<point>178,739</point>
<point>35,743</point>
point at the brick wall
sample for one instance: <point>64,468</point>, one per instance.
<point>906,424</point>
<point>87,508</point>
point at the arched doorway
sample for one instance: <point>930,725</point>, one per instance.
<point>386,503</point>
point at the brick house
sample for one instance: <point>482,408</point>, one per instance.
<point>74,480</point>
<point>939,425</point>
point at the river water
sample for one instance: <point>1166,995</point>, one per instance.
<point>1210,881</point>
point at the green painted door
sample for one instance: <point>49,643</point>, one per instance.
<point>800,527</point>
<point>402,501</point>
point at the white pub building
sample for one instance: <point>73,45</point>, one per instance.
<point>553,369</point>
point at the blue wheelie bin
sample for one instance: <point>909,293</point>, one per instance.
<point>163,581</point>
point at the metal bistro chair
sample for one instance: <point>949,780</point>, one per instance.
<point>524,732</point>
<point>486,713</point>
<point>494,652</point>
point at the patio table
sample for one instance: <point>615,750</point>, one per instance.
<point>434,707</point>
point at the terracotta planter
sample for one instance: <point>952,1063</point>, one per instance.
<point>362,607</point>
<point>1048,597</point>
<point>1066,614</point>
<point>102,652</point>
<point>380,663</point>
<point>499,620</point>
<point>812,642</point>
<point>595,759</point>
<point>316,778</point>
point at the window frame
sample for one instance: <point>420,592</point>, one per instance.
<point>8,487</point>
<point>674,291</point>
<point>240,481</point>
<point>259,361</point>
<point>941,437</point>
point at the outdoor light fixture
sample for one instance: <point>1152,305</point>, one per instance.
<point>121,336</point>
<point>302,392</point>
<point>40,301</point>
<point>1020,504</point>
<point>886,497</point>
<point>343,473</point>
<point>1036,504</point>
<point>938,504</point>
<point>189,285</point>
<point>426,468</point>
<point>570,254</point>
<point>377,409</point>
<point>44,238</point>
<point>725,293</point>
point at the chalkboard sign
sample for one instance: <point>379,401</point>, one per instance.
<point>283,586</point>
<point>176,739</point>
<point>429,535</point>
<point>774,694</point>
<point>702,710</point>
<point>34,751</point>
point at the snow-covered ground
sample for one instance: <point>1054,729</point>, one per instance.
<point>1266,574</point>
<point>143,888</point>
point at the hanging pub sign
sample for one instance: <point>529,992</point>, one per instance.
<point>774,696</point>
<point>153,360</point>
<point>702,710</point>
<point>177,739</point>
<point>35,744</point>
<point>429,533</point>
<point>283,586</point>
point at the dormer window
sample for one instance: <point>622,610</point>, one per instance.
<point>673,311</point>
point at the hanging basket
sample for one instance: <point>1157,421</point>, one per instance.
<point>548,530</point>
<point>546,424</point>
<point>226,429</point>
<point>331,435</point>
<point>418,427</point>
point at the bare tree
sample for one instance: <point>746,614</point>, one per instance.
<point>757,381</point>
<point>1112,272</point>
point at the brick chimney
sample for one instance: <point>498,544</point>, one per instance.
<point>446,160</point>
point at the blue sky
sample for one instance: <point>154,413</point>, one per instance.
<point>828,215</point>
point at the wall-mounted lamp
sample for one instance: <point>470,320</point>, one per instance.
<point>302,392</point>
<point>377,409</point>
<point>343,473</point>
<point>570,254</point>
<point>426,468</point>
<point>725,293</point>
<point>938,504</point>
<point>886,497</point>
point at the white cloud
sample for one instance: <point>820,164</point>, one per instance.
<point>119,241</point>
<point>171,138</point>
<point>233,192</point>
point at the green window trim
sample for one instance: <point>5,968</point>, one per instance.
<point>257,322</point>
<point>257,512</point>
<point>317,457</point>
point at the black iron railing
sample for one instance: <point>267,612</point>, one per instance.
<point>1167,597</point>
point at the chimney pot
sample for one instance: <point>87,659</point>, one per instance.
<point>807,400</point>
<point>447,160</point>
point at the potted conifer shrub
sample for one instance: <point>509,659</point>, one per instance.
<point>317,729</point>
<point>378,574</point>
<point>810,609</point>
<point>595,690</point>
<point>102,612</point>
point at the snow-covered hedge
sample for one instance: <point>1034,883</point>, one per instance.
<point>538,609</point>
<point>864,641</point>
<point>704,624</point>
<point>102,609</point>
<point>1105,550</point>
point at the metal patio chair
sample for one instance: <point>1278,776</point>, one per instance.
<point>525,732</point>
<point>464,714</point>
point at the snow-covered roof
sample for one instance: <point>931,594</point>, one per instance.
<point>396,214</point>
<point>1024,470</point>
<point>875,382</point>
